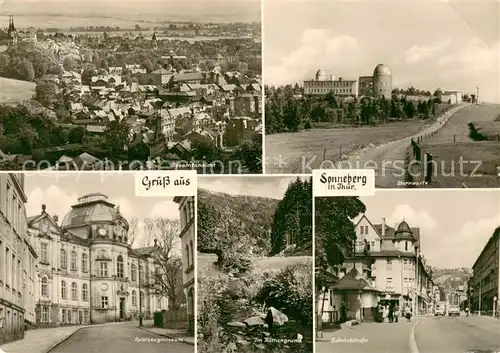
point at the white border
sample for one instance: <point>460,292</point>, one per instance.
<point>263,80</point>
<point>195,277</point>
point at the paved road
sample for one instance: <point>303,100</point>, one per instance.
<point>458,335</point>
<point>368,337</point>
<point>388,160</point>
<point>119,338</point>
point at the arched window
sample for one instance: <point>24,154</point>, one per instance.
<point>134,298</point>
<point>64,260</point>
<point>74,291</point>
<point>85,292</point>
<point>188,254</point>
<point>73,261</point>
<point>134,273</point>
<point>85,263</point>
<point>186,219</point>
<point>63,290</point>
<point>192,252</point>
<point>119,266</point>
<point>45,287</point>
<point>141,273</point>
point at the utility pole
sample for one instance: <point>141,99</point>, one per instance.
<point>477,95</point>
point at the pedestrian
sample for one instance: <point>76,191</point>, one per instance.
<point>466,311</point>
<point>385,312</point>
<point>408,314</point>
<point>396,313</point>
<point>391,312</point>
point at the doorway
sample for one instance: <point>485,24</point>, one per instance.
<point>122,308</point>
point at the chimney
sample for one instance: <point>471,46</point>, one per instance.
<point>55,218</point>
<point>383,227</point>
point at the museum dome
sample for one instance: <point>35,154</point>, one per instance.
<point>320,75</point>
<point>382,70</point>
<point>91,208</point>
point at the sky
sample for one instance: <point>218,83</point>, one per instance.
<point>59,191</point>
<point>455,225</point>
<point>150,10</point>
<point>452,45</point>
<point>273,187</point>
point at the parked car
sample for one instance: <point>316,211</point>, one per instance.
<point>439,312</point>
<point>454,310</point>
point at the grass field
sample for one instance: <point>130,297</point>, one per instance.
<point>457,160</point>
<point>490,129</point>
<point>15,91</point>
<point>307,145</point>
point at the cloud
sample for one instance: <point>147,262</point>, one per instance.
<point>421,218</point>
<point>317,48</point>
<point>57,200</point>
<point>416,54</point>
<point>165,209</point>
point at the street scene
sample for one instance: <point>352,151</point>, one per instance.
<point>255,273</point>
<point>405,274</point>
<point>416,101</point>
<point>134,85</point>
<point>87,271</point>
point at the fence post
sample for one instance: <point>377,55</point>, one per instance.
<point>417,152</point>
<point>454,139</point>
<point>324,154</point>
<point>340,150</point>
<point>428,167</point>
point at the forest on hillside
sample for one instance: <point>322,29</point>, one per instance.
<point>266,225</point>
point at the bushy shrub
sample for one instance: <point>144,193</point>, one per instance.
<point>291,292</point>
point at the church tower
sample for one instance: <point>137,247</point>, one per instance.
<point>12,32</point>
<point>154,41</point>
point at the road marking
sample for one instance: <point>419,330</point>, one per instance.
<point>413,341</point>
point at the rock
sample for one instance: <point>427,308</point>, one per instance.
<point>267,334</point>
<point>236,324</point>
<point>254,321</point>
<point>299,337</point>
<point>231,347</point>
<point>235,289</point>
<point>276,317</point>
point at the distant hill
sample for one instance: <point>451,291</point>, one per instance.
<point>451,278</point>
<point>255,213</point>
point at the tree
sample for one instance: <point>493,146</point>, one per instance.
<point>46,92</point>
<point>334,230</point>
<point>69,63</point>
<point>148,65</point>
<point>292,223</point>
<point>163,234</point>
<point>250,155</point>
<point>76,135</point>
<point>25,70</point>
<point>117,138</point>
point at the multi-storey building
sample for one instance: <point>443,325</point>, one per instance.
<point>87,271</point>
<point>385,268</point>
<point>485,281</point>
<point>17,261</point>
<point>323,84</point>
<point>187,235</point>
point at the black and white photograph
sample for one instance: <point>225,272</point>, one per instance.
<point>110,85</point>
<point>408,271</point>
<point>255,271</point>
<point>410,89</point>
<point>87,266</point>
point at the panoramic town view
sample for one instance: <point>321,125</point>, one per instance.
<point>131,89</point>
<point>417,101</point>
<point>255,272</point>
<point>398,272</point>
<point>88,266</point>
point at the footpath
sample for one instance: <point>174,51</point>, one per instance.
<point>45,339</point>
<point>173,334</point>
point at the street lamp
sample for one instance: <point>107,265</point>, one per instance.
<point>494,305</point>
